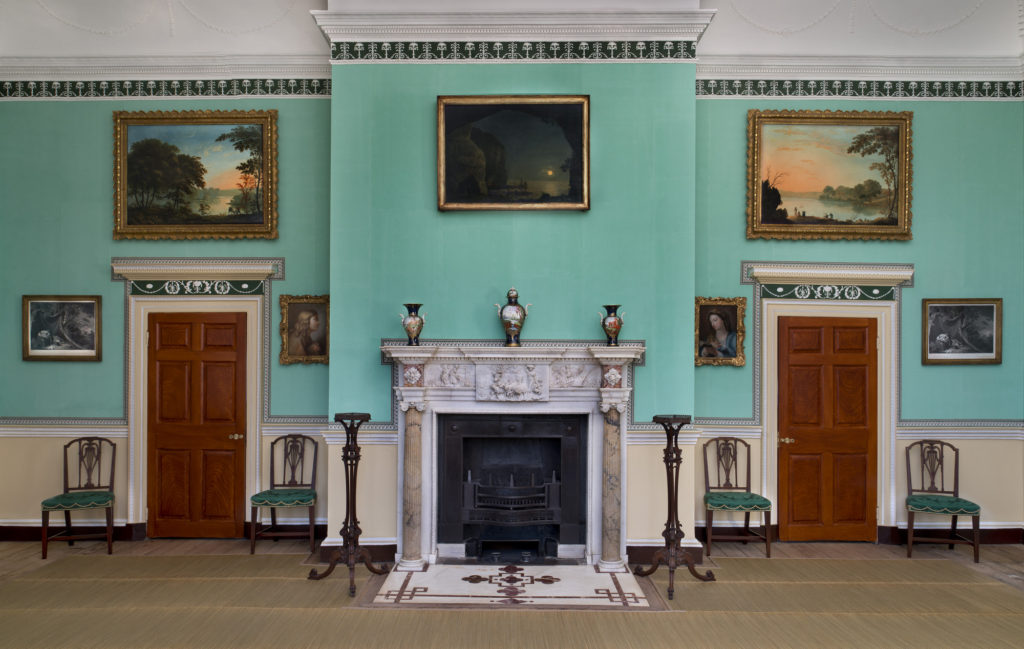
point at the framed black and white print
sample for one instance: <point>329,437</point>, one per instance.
<point>962,331</point>
<point>61,328</point>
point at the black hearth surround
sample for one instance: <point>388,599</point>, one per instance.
<point>512,478</point>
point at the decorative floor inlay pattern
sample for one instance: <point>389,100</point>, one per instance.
<point>512,586</point>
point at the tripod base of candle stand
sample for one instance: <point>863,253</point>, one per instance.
<point>349,557</point>
<point>673,557</point>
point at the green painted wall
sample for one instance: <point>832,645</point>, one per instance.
<point>56,170</point>
<point>390,244</point>
<point>968,235</point>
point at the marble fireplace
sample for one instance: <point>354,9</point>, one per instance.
<point>510,387</point>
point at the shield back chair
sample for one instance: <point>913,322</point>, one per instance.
<point>933,487</point>
<point>292,484</point>
<point>88,484</point>
<point>727,488</point>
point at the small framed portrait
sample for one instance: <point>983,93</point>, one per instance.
<point>962,332</point>
<point>513,152</point>
<point>819,174</point>
<point>61,328</point>
<point>305,328</point>
<point>719,331</point>
<point>198,174</point>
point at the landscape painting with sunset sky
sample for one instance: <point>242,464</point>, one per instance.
<point>829,174</point>
<point>192,174</point>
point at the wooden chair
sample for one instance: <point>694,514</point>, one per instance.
<point>88,484</point>
<point>727,488</point>
<point>292,484</point>
<point>933,487</point>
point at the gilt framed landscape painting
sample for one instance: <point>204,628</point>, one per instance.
<point>965,331</point>
<point>61,328</point>
<point>205,174</point>
<point>513,152</point>
<point>815,174</point>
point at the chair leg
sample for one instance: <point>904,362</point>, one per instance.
<point>910,534</point>
<point>952,531</point>
<point>273,521</point>
<point>976,524</point>
<point>746,525</point>
<point>67,525</point>
<point>46,530</point>
<point>768,534</point>
<point>110,529</point>
<point>312,541</point>
<point>709,517</point>
<point>252,529</point>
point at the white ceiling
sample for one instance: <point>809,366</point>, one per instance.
<point>63,38</point>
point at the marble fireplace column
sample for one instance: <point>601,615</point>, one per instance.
<point>613,404</point>
<point>412,494</point>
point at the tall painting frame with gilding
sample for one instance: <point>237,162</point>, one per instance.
<point>199,174</point>
<point>818,174</point>
<point>719,342</point>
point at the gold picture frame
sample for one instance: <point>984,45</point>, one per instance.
<point>224,169</point>
<point>962,331</point>
<point>61,328</point>
<point>721,343</point>
<point>818,174</point>
<point>305,329</point>
<point>513,152</point>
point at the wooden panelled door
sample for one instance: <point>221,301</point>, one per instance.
<point>827,429</point>
<point>196,425</point>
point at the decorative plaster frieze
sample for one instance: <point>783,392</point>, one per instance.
<point>574,375</point>
<point>827,292</point>
<point>151,88</point>
<point>512,382</point>
<point>513,51</point>
<point>845,88</point>
<point>195,287</point>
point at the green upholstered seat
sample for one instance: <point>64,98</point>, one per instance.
<point>736,501</point>
<point>284,498</point>
<point>940,504</point>
<point>78,500</point>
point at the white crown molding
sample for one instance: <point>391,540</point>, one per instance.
<point>614,25</point>
<point>810,273</point>
<point>165,67</point>
<point>861,68</point>
<point>207,269</point>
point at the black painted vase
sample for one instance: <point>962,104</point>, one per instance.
<point>611,322</point>
<point>413,323</point>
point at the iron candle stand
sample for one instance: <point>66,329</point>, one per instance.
<point>673,555</point>
<point>350,552</point>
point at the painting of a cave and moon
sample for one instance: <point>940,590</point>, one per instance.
<point>513,152</point>
<point>195,175</point>
<point>828,174</point>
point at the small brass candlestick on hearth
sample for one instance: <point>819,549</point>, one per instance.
<point>350,551</point>
<point>673,555</point>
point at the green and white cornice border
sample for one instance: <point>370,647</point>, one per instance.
<point>566,31</point>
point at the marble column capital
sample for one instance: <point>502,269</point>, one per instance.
<point>419,406</point>
<point>617,398</point>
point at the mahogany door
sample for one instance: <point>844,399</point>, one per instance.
<point>196,425</point>
<point>827,429</point>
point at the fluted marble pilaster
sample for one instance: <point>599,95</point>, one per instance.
<point>611,489</point>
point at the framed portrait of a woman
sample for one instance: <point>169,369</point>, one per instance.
<point>305,323</point>
<point>719,331</point>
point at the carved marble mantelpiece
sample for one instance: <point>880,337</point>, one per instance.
<point>549,377</point>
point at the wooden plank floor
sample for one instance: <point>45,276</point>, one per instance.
<point>1004,562</point>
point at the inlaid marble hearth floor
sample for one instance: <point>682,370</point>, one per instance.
<point>513,586</point>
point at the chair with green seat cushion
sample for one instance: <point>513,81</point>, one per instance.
<point>727,488</point>
<point>88,484</point>
<point>933,487</point>
<point>292,484</point>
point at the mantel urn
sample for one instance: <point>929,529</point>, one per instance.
<point>512,316</point>
<point>611,322</point>
<point>412,322</point>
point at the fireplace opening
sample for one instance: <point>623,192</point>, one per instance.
<point>512,488</point>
